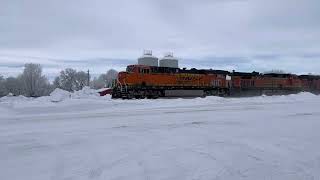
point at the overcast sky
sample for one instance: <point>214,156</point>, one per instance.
<point>244,35</point>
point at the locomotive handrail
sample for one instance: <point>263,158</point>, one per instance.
<point>125,85</point>
<point>119,84</point>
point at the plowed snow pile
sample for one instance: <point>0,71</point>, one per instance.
<point>59,95</point>
<point>81,136</point>
<point>86,93</point>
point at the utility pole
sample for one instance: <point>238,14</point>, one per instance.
<point>88,83</point>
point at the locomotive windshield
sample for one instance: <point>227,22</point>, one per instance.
<point>130,68</point>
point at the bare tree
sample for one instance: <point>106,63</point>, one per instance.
<point>110,77</point>
<point>67,79</point>
<point>3,90</point>
<point>56,82</point>
<point>34,82</point>
<point>44,88</point>
<point>71,80</point>
<point>81,79</point>
<point>99,82</point>
<point>14,85</point>
<point>105,80</point>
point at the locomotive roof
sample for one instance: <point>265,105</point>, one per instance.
<point>183,70</point>
<point>203,71</point>
<point>245,73</point>
<point>312,77</point>
<point>278,75</point>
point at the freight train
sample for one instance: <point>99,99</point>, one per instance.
<point>148,80</point>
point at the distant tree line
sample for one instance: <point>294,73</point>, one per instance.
<point>32,83</point>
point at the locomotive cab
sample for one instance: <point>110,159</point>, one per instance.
<point>138,69</point>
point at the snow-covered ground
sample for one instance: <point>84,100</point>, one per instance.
<point>83,136</point>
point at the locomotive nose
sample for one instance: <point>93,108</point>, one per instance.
<point>122,76</point>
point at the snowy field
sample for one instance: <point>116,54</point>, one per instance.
<point>82,136</point>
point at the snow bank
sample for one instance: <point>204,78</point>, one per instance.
<point>267,137</point>
<point>292,97</point>
<point>9,102</point>
<point>85,93</point>
<point>10,99</point>
<point>59,95</point>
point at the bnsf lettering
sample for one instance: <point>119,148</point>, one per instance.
<point>189,78</point>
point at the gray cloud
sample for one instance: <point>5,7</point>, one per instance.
<point>241,34</point>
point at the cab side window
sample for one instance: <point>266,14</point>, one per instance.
<point>145,71</point>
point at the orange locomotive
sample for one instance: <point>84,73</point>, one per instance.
<point>254,83</point>
<point>310,83</point>
<point>140,81</point>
